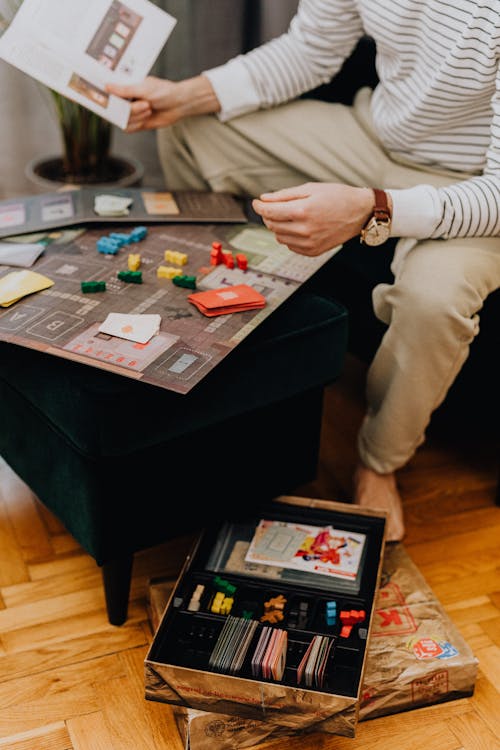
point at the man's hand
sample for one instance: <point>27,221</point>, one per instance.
<point>313,218</point>
<point>157,102</point>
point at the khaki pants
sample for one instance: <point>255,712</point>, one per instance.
<point>431,309</point>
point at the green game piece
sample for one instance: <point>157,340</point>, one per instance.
<point>131,277</point>
<point>224,586</point>
<point>93,286</point>
<point>189,282</point>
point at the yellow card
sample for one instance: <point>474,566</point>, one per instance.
<point>18,284</point>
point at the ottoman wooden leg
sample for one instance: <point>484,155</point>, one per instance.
<point>116,577</point>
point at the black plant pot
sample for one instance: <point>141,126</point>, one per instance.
<point>47,172</point>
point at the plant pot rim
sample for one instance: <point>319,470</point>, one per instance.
<point>133,176</point>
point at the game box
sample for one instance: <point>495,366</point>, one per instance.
<point>416,657</point>
<point>270,617</point>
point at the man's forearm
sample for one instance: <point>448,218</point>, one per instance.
<point>196,96</point>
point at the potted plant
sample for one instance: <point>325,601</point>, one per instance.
<point>86,158</point>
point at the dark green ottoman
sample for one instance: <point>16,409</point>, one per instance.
<point>126,465</point>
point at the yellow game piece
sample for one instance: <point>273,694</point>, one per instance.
<point>172,256</point>
<point>168,272</point>
<point>226,605</point>
<point>217,602</point>
<point>134,261</point>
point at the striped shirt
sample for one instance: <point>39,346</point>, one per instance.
<point>437,104</point>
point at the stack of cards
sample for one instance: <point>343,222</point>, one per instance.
<point>18,284</point>
<point>228,299</point>
<point>232,644</point>
<point>269,658</point>
<point>313,664</point>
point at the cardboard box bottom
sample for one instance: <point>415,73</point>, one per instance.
<point>416,657</point>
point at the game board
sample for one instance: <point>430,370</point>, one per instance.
<point>64,322</point>
<point>36,213</point>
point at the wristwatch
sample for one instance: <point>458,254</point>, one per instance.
<point>378,227</point>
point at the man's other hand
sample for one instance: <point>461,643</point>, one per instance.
<point>315,217</point>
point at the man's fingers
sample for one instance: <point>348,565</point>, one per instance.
<point>286,194</point>
<point>126,92</point>
<point>141,108</point>
<point>275,211</point>
<point>290,228</point>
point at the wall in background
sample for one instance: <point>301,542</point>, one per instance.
<point>209,33</point>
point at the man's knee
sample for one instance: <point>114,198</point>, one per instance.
<point>426,303</point>
<point>437,284</point>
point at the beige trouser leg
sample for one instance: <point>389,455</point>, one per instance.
<point>432,316</point>
<point>431,309</point>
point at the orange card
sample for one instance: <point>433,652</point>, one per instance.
<point>227,299</point>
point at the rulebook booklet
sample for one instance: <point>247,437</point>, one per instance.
<point>76,47</point>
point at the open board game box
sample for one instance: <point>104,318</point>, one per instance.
<point>270,617</point>
<point>416,657</point>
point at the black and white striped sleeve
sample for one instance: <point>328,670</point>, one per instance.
<point>472,208</point>
<point>321,36</point>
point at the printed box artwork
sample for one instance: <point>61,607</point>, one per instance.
<point>416,657</point>
<point>312,549</point>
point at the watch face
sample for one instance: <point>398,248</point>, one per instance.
<point>376,233</point>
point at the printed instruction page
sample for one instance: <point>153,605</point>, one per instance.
<point>76,47</point>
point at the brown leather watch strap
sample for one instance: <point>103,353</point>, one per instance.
<point>381,209</point>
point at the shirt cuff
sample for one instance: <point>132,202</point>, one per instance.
<point>234,89</point>
<point>416,211</point>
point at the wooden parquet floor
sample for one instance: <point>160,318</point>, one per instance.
<point>71,681</point>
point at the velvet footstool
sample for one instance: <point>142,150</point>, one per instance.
<point>126,465</point>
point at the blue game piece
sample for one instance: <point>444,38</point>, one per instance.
<point>107,246</point>
<point>138,233</point>
<point>123,239</point>
<point>331,613</point>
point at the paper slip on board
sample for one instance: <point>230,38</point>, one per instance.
<point>19,254</point>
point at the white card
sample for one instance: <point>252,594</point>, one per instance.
<point>138,328</point>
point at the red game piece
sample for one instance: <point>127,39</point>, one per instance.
<point>242,261</point>
<point>216,254</point>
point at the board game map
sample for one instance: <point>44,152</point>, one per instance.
<point>36,213</point>
<point>64,321</point>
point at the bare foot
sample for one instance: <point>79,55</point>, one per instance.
<point>379,491</point>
